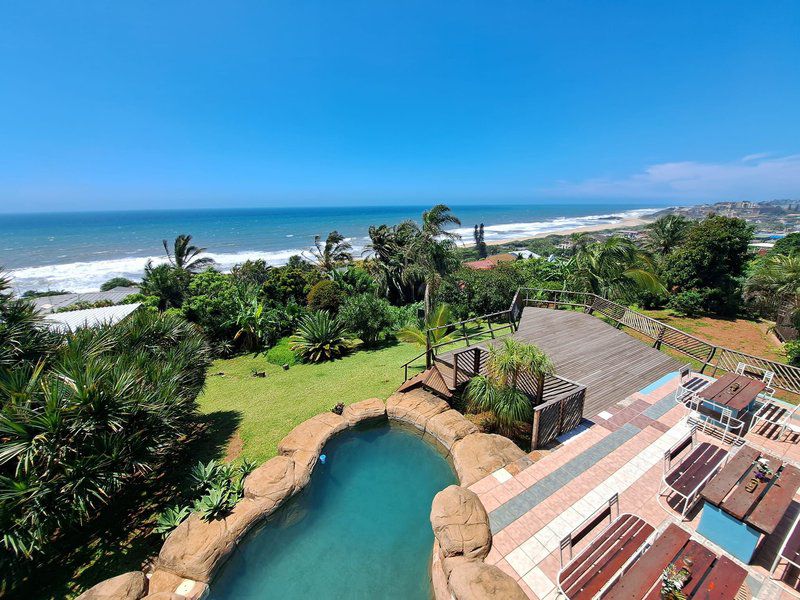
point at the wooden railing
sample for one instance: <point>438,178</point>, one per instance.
<point>787,377</point>
<point>558,406</point>
<point>498,323</point>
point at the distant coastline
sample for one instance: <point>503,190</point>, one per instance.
<point>79,252</point>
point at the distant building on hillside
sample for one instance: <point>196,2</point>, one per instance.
<point>73,320</point>
<point>50,304</point>
<point>490,262</point>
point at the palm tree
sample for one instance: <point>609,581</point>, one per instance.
<point>165,282</point>
<point>184,256</point>
<point>776,281</point>
<point>667,233</point>
<point>615,268</point>
<point>578,241</point>
<point>415,333</point>
<point>334,253</point>
<point>389,262</point>
<point>498,391</point>
<point>432,250</point>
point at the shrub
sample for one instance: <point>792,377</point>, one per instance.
<point>130,399</point>
<point>212,301</point>
<point>281,354</point>
<point>324,296</point>
<point>83,305</point>
<point>366,316</point>
<point>116,282</point>
<point>319,337</point>
<point>689,303</point>
<point>792,350</point>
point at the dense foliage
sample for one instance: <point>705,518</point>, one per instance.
<point>84,415</point>
<point>320,337</point>
<point>712,261</point>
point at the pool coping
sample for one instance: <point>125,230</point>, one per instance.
<point>193,553</point>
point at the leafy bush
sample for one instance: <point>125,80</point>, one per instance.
<point>324,296</point>
<point>689,303</point>
<point>366,316</point>
<point>289,284</point>
<point>83,305</point>
<point>130,398</point>
<point>116,282</point>
<point>281,354</point>
<point>792,350</point>
<point>319,337</point>
<point>212,301</point>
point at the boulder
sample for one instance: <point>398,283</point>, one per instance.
<point>164,581</point>
<point>374,408</point>
<point>305,442</point>
<point>271,483</point>
<point>475,580</point>
<point>449,427</point>
<point>165,596</point>
<point>415,407</point>
<point>460,523</point>
<point>197,547</point>
<point>480,454</point>
<point>438,577</point>
<point>128,586</point>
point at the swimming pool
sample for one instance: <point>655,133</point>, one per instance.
<point>360,529</point>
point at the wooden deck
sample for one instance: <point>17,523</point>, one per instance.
<point>610,363</point>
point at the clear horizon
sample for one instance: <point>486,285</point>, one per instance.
<point>267,104</point>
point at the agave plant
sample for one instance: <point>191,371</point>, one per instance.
<point>246,467</point>
<point>319,337</point>
<point>170,518</point>
<point>216,503</point>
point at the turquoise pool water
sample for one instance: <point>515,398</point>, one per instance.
<point>360,529</point>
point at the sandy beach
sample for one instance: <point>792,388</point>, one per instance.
<point>587,229</point>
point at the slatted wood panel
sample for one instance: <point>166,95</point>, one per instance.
<point>610,363</point>
<point>547,418</point>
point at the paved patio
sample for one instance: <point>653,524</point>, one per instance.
<point>620,451</point>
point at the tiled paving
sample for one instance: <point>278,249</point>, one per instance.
<point>620,451</point>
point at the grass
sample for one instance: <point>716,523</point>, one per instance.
<point>241,416</point>
<point>269,407</point>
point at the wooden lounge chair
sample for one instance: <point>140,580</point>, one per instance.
<point>687,478</point>
<point>774,414</point>
<point>790,548</point>
<point>689,383</point>
<point>599,564</point>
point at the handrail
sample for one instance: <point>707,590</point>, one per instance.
<point>470,320</point>
<point>787,376</point>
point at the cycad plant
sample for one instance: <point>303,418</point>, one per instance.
<point>498,391</point>
<point>319,337</point>
<point>101,411</point>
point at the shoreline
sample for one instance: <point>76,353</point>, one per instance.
<point>632,222</point>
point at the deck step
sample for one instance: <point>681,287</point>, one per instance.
<point>413,382</point>
<point>439,379</point>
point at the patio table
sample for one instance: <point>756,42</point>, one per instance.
<point>735,392</point>
<point>712,577</point>
<point>735,518</point>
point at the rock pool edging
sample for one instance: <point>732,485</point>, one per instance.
<point>194,551</point>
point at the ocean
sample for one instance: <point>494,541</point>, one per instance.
<point>79,251</point>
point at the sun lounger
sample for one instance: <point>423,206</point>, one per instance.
<point>687,478</point>
<point>599,564</point>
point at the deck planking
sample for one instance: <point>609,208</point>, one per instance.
<point>610,363</point>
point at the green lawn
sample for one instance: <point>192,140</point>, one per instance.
<point>264,410</point>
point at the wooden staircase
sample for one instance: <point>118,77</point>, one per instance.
<point>437,379</point>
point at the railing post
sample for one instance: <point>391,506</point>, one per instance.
<point>535,430</point>
<point>427,348</point>
<point>708,360</point>
<point>491,331</point>
<point>464,331</point>
<point>476,360</point>
<point>661,332</point>
<point>455,369</point>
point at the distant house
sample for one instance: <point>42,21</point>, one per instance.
<point>526,254</point>
<point>490,262</point>
<point>761,248</point>
<point>73,320</point>
<point>50,304</point>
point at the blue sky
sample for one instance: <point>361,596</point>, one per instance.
<point>170,104</point>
